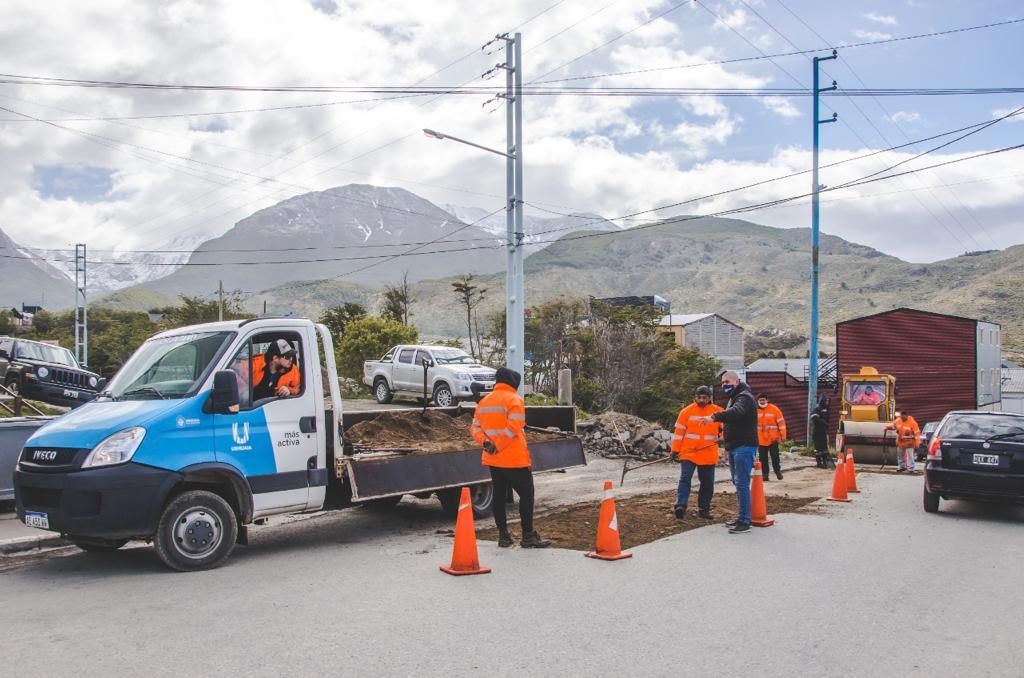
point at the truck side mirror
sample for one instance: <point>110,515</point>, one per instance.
<point>225,397</point>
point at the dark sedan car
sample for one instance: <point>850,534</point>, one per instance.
<point>927,431</point>
<point>45,372</point>
<point>977,456</point>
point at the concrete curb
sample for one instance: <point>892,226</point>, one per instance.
<point>23,544</point>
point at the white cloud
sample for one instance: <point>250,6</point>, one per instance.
<point>871,35</point>
<point>901,117</point>
<point>1003,112</point>
<point>782,106</point>
<point>881,19</point>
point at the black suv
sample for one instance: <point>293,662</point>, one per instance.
<point>975,455</point>
<point>45,372</point>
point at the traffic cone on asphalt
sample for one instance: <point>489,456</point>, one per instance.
<point>758,505</point>
<point>608,546</point>
<point>464,554</point>
<point>839,481</point>
<point>851,473</point>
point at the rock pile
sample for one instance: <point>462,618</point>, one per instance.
<point>616,435</point>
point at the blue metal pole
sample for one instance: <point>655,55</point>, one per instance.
<point>812,389</point>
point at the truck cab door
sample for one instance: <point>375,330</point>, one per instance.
<point>273,439</point>
<point>405,369</point>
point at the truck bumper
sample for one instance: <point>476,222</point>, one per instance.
<point>120,502</point>
<point>55,394</point>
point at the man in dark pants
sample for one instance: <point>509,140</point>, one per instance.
<point>771,430</point>
<point>740,442</point>
<point>498,425</point>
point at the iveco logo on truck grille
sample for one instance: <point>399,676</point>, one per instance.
<point>44,455</point>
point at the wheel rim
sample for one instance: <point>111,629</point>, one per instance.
<point>382,390</point>
<point>443,397</point>
<point>481,496</point>
<point>197,533</point>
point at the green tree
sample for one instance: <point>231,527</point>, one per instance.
<point>196,310</point>
<point>369,338</point>
<point>397,299</point>
<point>469,295</point>
<point>6,323</point>
<point>337,318</point>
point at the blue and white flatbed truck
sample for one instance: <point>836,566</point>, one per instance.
<point>181,450</point>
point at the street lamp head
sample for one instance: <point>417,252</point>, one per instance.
<point>432,134</point>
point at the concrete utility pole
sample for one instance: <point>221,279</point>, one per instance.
<point>81,307</point>
<point>812,389</point>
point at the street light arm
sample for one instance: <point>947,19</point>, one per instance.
<point>433,134</point>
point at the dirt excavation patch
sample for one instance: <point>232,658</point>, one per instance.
<point>427,433</point>
<point>643,519</point>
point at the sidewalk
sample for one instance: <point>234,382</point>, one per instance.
<point>16,538</point>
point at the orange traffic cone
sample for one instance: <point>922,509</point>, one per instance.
<point>851,473</point>
<point>758,505</point>
<point>464,555</point>
<point>839,481</point>
<point>608,546</point>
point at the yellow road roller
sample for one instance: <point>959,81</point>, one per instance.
<point>869,406</point>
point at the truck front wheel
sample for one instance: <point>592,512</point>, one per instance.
<point>381,391</point>
<point>197,531</point>
<point>443,396</point>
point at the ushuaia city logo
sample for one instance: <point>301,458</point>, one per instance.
<point>240,432</point>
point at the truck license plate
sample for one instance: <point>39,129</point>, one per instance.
<point>986,459</point>
<point>71,394</point>
<point>40,520</point>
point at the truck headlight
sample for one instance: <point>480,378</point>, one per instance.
<point>116,449</point>
<point>465,377</point>
<point>42,372</point>
<point>93,381</point>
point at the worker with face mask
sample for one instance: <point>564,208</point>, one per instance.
<point>695,444</point>
<point>771,430</point>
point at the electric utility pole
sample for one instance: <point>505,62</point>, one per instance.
<point>81,307</point>
<point>812,389</point>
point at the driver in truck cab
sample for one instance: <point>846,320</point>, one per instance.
<point>869,396</point>
<point>275,373</point>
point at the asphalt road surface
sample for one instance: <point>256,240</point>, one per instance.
<point>872,587</point>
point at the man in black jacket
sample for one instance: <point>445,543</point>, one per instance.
<point>740,441</point>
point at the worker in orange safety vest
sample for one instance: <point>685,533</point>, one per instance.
<point>695,443</point>
<point>498,426</point>
<point>771,430</point>
<point>908,437</point>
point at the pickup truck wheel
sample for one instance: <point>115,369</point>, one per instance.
<point>381,392</point>
<point>443,396</point>
<point>98,545</point>
<point>482,497</point>
<point>197,531</point>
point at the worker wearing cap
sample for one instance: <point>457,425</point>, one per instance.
<point>771,430</point>
<point>908,437</point>
<point>695,444</point>
<point>498,426</point>
<point>275,373</point>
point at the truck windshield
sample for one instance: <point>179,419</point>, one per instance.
<point>168,367</point>
<point>45,353</point>
<point>865,392</point>
<point>452,356</point>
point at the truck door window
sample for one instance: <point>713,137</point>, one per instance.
<point>406,355</point>
<point>241,365</point>
<point>422,355</point>
<point>277,366</point>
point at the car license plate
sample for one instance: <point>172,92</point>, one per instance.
<point>71,394</point>
<point>986,459</point>
<point>40,520</point>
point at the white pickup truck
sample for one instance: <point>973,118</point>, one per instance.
<point>452,374</point>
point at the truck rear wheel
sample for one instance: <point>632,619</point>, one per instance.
<point>381,391</point>
<point>197,531</point>
<point>443,396</point>
<point>482,497</point>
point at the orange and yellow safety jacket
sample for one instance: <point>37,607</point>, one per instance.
<point>908,433</point>
<point>501,417</point>
<point>292,378</point>
<point>694,441</point>
<point>771,426</point>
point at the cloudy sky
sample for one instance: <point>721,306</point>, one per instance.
<point>129,168</point>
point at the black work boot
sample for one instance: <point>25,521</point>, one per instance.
<point>680,512</point>
<point>778,474</point>
<point>532,540</point>
<point>704,513</point>
<point>504,539</point>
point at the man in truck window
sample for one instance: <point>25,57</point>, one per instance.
<point>869,396</point>
<point>498,426</point>
<point>275,373</point>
